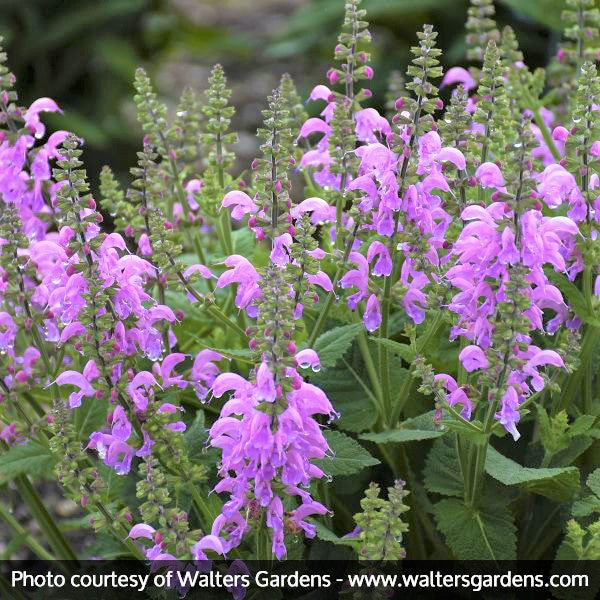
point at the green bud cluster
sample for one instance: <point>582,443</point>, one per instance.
<point>493,107</point>
<point>184,133</point>
<point>151,113</point>
<point>113,201</point>
<point>274,329</point>
<point>582,23</point>
<point>581,543</point>
<point>349,51</point>
<point>301,263</point>
<point>580,44</point>
<point>381,523</point>
<point>216,138</point>
<point>10,112</point>
<point>16,267</point>
<point>396,88</point>
<point>481,28</point>
<point>271,179</point>
<point>295,107</point>
<point>416,113</point>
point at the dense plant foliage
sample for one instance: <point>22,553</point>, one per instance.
<point>410,300</point>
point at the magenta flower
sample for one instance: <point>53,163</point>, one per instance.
<point>113,447</point>
<point>78,380</point>
<point>32,115</point>
<point>473,358</point>
<point>208,542</point>
<point>320,92</point>
<point>140,388</point>
<point>459,75</point>
<point>280,253</point>
<point>241,202</point>
<point>317,206</point>
<point>543,357</point>
<point>141,530</point>
<point>509,414</point>
<point>358,278</point>
<point>314,125</point>
<point>265,384</point>
<point>556,185</point>
<point>457,395</point>
<point>489,175</point>
<point>308,358</point>
<point>369,123</point>
<point>372,316</point>
<point>204,372</point>
<point>165,369</point>
<point>383,266</point>
<point>8,331</point>
<point>243,273</point>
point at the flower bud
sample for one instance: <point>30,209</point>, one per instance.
<point>333,76</point>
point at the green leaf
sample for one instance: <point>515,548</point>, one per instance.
<point>350,457</point>
<point>593,482</point>
<point>442,471</point>
<point>487,533</point>
<point>544,11</point>
<point>581,425</point>
<point>553,430</point>
<point>397,436</point>
<point>347,397</point>
<point>328,536</point>
<point>415,429</point>
<point>586,506</point>
<point>558,484</point>
<point>402,350</point>
<point>573,296</point>
<point>356,412</point>
<point>89,417</point>
<point>195,435</point>
<point>27,459</point>
<point>333,344</point>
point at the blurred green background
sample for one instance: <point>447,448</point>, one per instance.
<point>83,53</point>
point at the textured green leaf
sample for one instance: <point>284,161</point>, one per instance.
<point>89,417</point>
<point>195,435</point>
<point>573,296</point>
<point>593,482</point>
<point>586,506</point>
<point>26,459</point>
<point>333,344</point>
<point>328,536</point>
<point>442,471</point>
<point>544,11</point>
<point>397,436</point>
<point>350,456</point>
<point>487,533</point>
<point>356,412</point>
<point>559,484</point>
<point>402,350</point>
<point>415,429</point>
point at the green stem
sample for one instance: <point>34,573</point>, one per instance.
<point>539,121</point>
<point>363,346</point>
<point>591,337</point>
<point>478,455</point>
<point>47,524</point>
<point>216,312</point>
<point>21,532</point>
<point>331,296</point>
<point>205,512</point>
<point>422,343</point>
